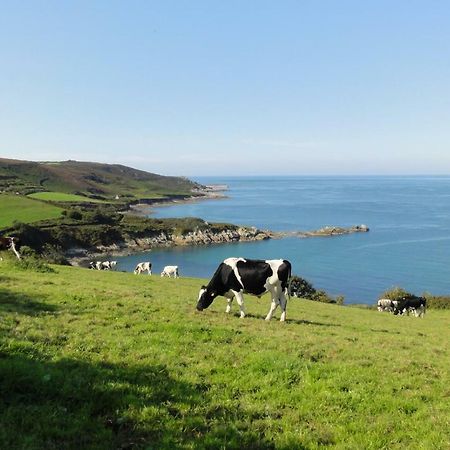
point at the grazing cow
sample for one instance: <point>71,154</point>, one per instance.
<point>411,303</point>
<point>97,265</point>
<point>9,243</point>
<point>142,267</point>
<point>236,276</point>
<point>103,265</point>
<point>108,265</point>
<point>168,271</point>
<point>385,304</point>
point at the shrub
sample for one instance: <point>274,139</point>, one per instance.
<point>395,293</point>
<point>74,214</point>
<point>437,301</point>
<point>34,263</point>
<point>299,287</point>
<point>54,255</point>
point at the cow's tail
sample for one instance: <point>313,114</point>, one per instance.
<point>289,282</point>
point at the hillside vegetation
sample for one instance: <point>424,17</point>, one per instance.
<point>103,181</point>
<point>101,360</point>
<point>64,198</point>
<point>22,209</point>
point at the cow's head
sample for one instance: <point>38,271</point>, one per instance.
<point>205,298</point>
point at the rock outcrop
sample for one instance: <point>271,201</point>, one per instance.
<point>167,239</point>
<point>322,232</point>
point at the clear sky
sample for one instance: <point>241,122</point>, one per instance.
<point>229,87</point>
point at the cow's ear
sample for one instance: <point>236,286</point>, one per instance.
<point>203,287</point>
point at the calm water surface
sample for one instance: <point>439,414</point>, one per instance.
<point>408,243</point>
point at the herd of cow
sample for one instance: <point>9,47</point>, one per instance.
<point>168,271</point>
<point>236,276</point>
<point>404,306</point>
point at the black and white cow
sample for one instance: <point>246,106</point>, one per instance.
<point>142,267</point>
<point>103,265</point>
<point>236,276</point>
<point>411,303</point>
<point>385,304</point>
<point>109,265</point>
<point>9,243</point>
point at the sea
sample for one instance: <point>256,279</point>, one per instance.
<point>408,244</point>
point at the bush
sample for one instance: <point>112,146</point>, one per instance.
<point>395,293</point>
<point>299,287</point>
<point>74,214</point>
<point>54,255</point>
<point>437,301</point>
<point>34,263</point>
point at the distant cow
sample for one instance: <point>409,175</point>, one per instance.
<point>168,271</point>
<point>103,265</point>
<point>9,243</point>
<point>109,265</point>
<point>411,303</point>
<point>143,267</point>
<point>236,276</point>
<point>385,304</point>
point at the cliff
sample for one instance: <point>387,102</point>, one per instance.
<point>169,239</point>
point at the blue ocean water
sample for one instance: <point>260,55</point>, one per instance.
<point>408,244</point>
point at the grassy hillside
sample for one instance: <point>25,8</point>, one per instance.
<point>105,360</point>
<point>87,178</point>
<point>22,209</point>
<point>62,197</point>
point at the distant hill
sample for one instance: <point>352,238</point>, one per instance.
<point>89,179</point>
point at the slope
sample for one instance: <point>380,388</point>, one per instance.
<point>111,360</point>
<point>88,178</point>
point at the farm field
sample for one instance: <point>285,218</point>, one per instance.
<point>22,209</point>
<point>101,360</point>
<point>63,197</point>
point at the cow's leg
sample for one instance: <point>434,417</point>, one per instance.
<point>273,305</point>
<point>283,303</point>
<point>240,301</point>
<point>229,302</point>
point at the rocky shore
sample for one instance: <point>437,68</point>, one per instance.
<point>209,192</point>
<point>201,237</point>
<point>325,232</point>
<point>166,239</point>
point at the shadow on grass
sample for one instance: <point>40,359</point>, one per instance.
<point>70,404</point>
<point>290,321</point>
<point>23,304</point>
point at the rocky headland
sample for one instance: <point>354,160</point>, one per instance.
<point>206,236</point>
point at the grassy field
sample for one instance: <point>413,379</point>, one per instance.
<point>22,209</point>
<point>62,197</point>
<point>102,360</point>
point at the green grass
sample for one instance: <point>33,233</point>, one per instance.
<point>63,197</point>
<point>22,209</point>
<point>101,360</point>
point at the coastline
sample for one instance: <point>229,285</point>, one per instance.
<point>209,192</point>
<point>208,236</point>
<point>80,256</point>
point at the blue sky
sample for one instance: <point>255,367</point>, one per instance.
<point>229,87</point>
